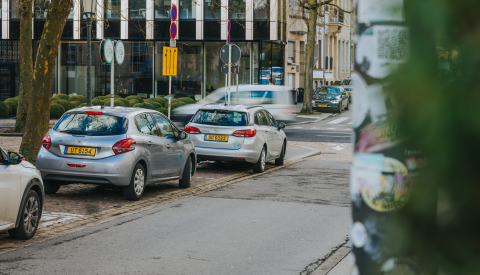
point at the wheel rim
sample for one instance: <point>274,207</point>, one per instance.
<point>139,182</point>
<point>30,215</point>
<point>263,159</point>
<point>191,169</point>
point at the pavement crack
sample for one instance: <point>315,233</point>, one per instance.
<point>309,269</point>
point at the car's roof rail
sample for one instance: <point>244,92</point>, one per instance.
<point>254,106</point>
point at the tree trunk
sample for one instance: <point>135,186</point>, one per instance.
<point>26,64</point>
<point>38,116</point>
<point>309,54</point>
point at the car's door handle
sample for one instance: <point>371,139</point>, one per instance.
<point>150,143</point>
<point>170,147</point>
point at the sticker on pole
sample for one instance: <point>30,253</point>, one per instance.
<point>228,39</point>
<point>173,12</point>
<point>229,26</point>
<point>108,51</point>
<point>119,52</point>
<point>173,30</point>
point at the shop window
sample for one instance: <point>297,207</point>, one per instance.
<point>212,9</point>
<point>112,9</point>
<point>187,9</point>
<point>162,9</point>
<point>138,57</point>
<point>137,9</point>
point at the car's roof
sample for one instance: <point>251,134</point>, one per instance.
<point>117,110</point>
<point>231,107</point>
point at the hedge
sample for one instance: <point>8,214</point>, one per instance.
<point>132,102</point>
<point>61,96</point>
<point>144,105</point>
<point>4,112</point>
<point>80,98</point>
<point>177,104</point>
<point>124,100</point>
<point>82,105</point>
<point>13,106</point>
<point>64,103</point>
<point>56,110</point>
<point>130,97</point>
<point>75,104</point>
<point>156,105</point>
<point>163,111</point>
<point>187,100</point>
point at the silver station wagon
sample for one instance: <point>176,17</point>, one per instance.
<point>237,133</point>
<point>117,146</point>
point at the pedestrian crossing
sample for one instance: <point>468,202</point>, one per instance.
<point>337,124</point>
<point>338,120</point>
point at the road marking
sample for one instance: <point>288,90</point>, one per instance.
<point>51,218</point>
<point>338,148</point>
<point>313,151</point>
<point>351,122</point>
<point>338,120</point>
<point>333,136</point>
<point>314,128</point>
<point>296,127</point>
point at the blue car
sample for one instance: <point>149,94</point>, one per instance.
<point>331,98</point>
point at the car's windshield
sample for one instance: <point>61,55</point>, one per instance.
<point>321,91</point>
<point>337,83</point>
<point>347,82</point>
<point>92,125</point>
<point>333,91</point>
<point>220,118</point>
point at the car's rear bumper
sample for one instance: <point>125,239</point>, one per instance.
<point>114,170</point>
<point>244,154</point>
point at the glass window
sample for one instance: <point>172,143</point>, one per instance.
<point>260,118</point>
<point>187,9</point>
<point>72,10</point>
<point>91,125</point>
<point>41,9</point>
<point>162,9</point>
<point>146,125</point>
<point>261,9</point>
<point>139,55</point>
<point>137,9</point>
<point>73,68</point>
<point>220,118</point>
<point>212,9</point>
<point>213,65</point>
<point>270,118</point>
<point>113,9</point>
<point>166,129</point>
<point>14,9</point>
<point>236,9</point>
<point>3,158</point>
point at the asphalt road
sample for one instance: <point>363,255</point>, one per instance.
<point>277,223</point>
<point>336,129</point>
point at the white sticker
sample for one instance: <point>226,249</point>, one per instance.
<point>359,234</point>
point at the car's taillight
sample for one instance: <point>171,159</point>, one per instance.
<point>93,112</point>
<point>123,146</point>
<point>46,142</point>
<point>76,165</point>
<point>192,130</point>
<point>245,133</point>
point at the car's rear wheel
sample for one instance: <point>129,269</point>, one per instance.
<point>187,174</point>
<point>280,159</point>
<point>29,218</point>
<point>259,166</point>
<point>50,187</point>
<point>340,108</point>
<point>136,188</point>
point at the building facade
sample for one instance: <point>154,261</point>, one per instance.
<point>258,28</point>
<point>333,44</point>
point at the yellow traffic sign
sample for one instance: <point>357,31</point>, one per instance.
<point>170,61</point>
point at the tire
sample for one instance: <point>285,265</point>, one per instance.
<point>340,107</point>
<point>50,187</point>
<point>29,218</point>
<point>348,106</point>
<point>280,160</point>
<point>259,166</point>
<point>187,174</point>
<point>136,188</point>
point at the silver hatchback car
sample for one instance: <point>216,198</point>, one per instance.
<point>117,146</point>
<point>237,133</point>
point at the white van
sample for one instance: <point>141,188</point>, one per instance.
<point>277,99</point>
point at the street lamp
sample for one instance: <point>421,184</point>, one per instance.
<point>89,7</point>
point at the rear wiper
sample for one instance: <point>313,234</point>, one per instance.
<point>73,131</point>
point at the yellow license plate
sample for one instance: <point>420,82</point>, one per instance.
<point>216,138</point>
<point>322,105</point>
<point>80,151</point>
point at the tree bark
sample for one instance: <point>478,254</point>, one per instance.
<point>38,116</point>
<point>26,64</point>
<point>309,54</point>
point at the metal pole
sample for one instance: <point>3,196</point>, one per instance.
<point>229,70</point>
<point>89,59</point>
<point>323,50</point>
<point>351,52</point>
<point>112,76</point>
<point>169,94</point>
<point>237,88</point>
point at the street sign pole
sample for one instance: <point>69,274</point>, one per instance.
<point>112,71</point>
<point>169,94</point>
<point>173,35</point>
<point>237,86</point>
<point>229,70</point>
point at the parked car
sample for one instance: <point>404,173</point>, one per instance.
<point>277,72</point>
<point>115,146</point>
<point>330,98</point>
<point>21,196</point>
<point>347,84</point>
<point>238,133</point>
<point>337,83</point>
<point>277,99</point>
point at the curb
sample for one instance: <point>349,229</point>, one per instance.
<point>322,117</point>
<point>87,221</point>
<point>11,134</point>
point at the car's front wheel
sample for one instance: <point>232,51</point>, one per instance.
<point>340,108</point>
<point>259,166</point>
<point>281,159</point>
<point>187,175</point>
<point>135,190</point>
<point>29,218</point>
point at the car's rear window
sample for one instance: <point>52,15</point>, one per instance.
<point>92,125</point>
<point>220,118</point>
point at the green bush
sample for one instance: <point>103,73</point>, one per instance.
<point>130,97</point>
<point>80,98</point>
<point>14,99</point>
<point>75,104</point>
<point>97,102</point>
<point>82,105</point>
<point>173,102</point>
<point>155,105</point>
<point>117,102</point>
<point>4,112</point>
<point>159,100</point>
<point>124,100</point>
<point>13,106</point>
<point>56,110</point>
<point>187,100</point>
<point>163,111</point>
<point>64,103</point>
<point>61,96</point>
<point>177,104</point>
<point>9,110</point>
<point>132,102</point>
<point>144,105</point>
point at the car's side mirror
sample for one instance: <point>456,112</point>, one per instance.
<point>14,158</point>
<point>182,135</point>
<point>281,125</point>
<point>344,94</point>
